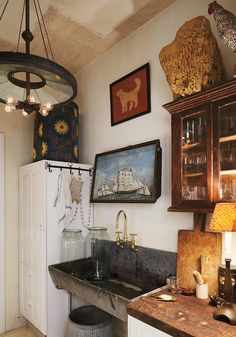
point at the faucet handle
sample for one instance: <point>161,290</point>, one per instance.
<point>133,235</point>
<point>132,241</point>
<point>118,239</point>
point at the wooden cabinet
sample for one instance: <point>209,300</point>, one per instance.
<point>204,149</point>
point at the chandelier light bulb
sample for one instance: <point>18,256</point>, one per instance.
<point>10,100</point>
<point>48,106</point>
<point>31,99</point>
<point>9,108</point>
<point>43,111</point>
<point>24,113</point>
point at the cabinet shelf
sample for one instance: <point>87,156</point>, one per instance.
<point>227,172</point>
<point>227,139</point>
<point>190,146</point>
<point>191,175</point>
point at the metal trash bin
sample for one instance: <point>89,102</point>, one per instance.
<point>89,321</point>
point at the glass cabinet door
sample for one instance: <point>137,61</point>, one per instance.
<point>194,157</point>
<point>227,149</point>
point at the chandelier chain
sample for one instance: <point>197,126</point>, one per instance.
<point>3,11</point>
<point>41,30</point>
<point>36,94</point>
<point>40,17</point>
<point>20,29</point>
<point>46,32</point>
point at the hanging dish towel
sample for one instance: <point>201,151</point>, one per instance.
<point>62,201</point>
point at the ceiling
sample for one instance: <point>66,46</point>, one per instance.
<point>79,30</point>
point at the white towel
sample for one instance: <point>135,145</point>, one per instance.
<point>62,200</point>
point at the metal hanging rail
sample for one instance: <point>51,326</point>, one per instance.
<point>69,167</point>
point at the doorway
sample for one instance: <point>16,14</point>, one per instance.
<point>2,238</point>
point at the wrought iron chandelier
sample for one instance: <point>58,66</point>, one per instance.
<point>29,82</point>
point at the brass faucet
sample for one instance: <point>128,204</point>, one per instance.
<point>120,242</point>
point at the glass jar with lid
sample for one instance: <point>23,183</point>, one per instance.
<point>73,244</point>
<point>95,247</point>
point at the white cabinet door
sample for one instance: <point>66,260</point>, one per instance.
<point>33,264</point>
<point>137,328</point>
<point>26,291</point>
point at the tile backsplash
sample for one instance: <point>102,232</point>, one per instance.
<point>148,268</point>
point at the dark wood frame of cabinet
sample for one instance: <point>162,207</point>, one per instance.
<point>209,101</point>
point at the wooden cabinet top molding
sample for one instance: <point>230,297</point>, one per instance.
<point>203,97</point>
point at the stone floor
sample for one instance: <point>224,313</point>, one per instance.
<point>22,332</point>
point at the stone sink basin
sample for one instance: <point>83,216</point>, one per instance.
<point>132,275</point>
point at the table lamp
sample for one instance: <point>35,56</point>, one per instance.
<point>224,220</point>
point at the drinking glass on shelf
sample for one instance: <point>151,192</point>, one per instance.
<point>228,157</point>
<point>223,125</point>
<point>199,129</point>
<point>231,124</point>
<point>228,125</point>
<point>228,187</point>
<point>193,192</point>
<point>193,130</point>
<point>187,133</point>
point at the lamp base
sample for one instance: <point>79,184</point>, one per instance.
<point>222,271</point>
<point>226,313</point>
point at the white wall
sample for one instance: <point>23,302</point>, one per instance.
<point>18,134</point>
<point>155,226</point>
<point>2,236</point>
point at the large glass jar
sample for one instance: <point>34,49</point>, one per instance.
<point>96,249</point>
<point>73,244</point>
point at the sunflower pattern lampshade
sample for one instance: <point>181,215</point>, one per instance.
<point>56,136</point>
<point>224,218</point>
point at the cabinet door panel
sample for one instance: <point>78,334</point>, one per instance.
<point>191,159</point>
<point>225,151</point>
<point>26,286</point>
<point>194,156</point>
<point>33,264</point>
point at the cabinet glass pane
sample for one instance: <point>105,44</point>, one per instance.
<point>194,157</point>
<point>227,141</point>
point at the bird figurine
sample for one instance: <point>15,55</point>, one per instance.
<point>225,24</point>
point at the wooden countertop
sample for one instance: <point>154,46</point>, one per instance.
<point>187,317</point>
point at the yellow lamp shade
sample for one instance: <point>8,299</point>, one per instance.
<point>224,218</point>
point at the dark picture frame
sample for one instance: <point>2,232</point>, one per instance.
<point>130,95</point>
<point>129,175</point>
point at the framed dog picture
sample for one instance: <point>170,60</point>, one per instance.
<point>130,95</point>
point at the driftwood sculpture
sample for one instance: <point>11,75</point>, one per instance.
<point>192,62</point>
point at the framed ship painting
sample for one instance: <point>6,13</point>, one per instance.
<point>130,95</point>
<point>131,174</point>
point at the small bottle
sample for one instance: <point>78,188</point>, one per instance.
<point>73,244</point>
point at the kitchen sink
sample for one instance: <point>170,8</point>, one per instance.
<point>132,274</point>
<point>111,294</point>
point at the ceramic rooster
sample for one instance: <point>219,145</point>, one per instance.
<point>225,23</point>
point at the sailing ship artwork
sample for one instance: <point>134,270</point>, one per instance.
<point>128,175</point>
